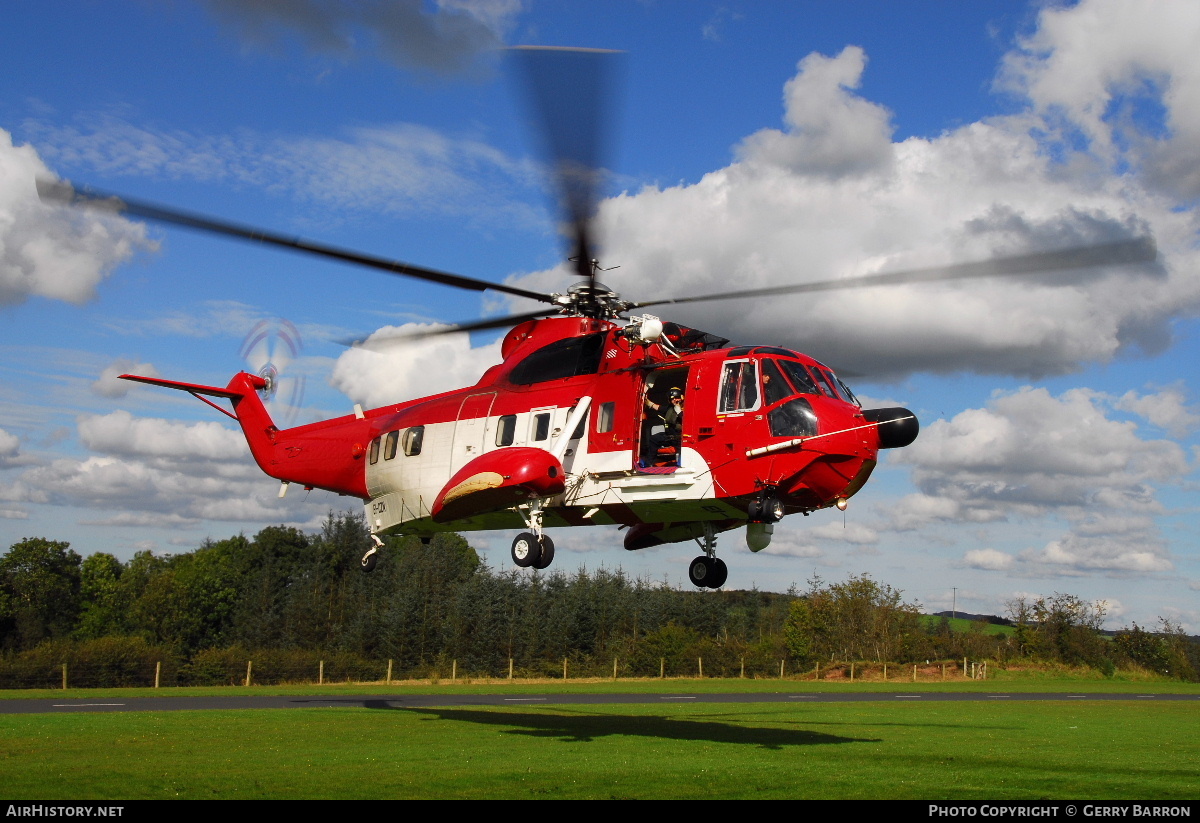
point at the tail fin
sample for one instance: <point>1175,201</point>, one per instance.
<point>248,409</point>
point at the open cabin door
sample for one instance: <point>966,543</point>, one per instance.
<point>656,447</point>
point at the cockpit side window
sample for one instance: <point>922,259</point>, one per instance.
<point>800,377</point>
<point>739,387</point>
<point>775,387</point>
<point>563,358</point>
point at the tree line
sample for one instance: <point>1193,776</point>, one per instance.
<point>288,599</point>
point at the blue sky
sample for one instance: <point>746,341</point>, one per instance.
<point>754,143</point>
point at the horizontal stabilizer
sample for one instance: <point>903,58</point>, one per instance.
<point>193,388</point>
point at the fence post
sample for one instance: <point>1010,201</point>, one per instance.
<point>885,672</point>
<point>564,668</point>
<point>321,673</point>
<point>964,667</point>
<point>943,671</point>
<point>851,671</point>
<point>389,674</point>
<point>743,674</point>
<point>614,668</point>
<point>662,668</point>
<point>510,668</point>
<point>453,671</point>
<point>157,672</point>
<point>914,672</point>
<point>781,669</point>
<point>64,665</point>
<point>700,663</point>
<point>249,670</point>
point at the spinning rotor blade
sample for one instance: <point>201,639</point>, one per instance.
<point>1122,252</point>
<point>65,194</point>
<point>569,90</point>
<point>478,325</point>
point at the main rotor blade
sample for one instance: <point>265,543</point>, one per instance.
<point>65,194</point>
<point>478,325</point>
<point>1121,252</point>
<point>569,89</point>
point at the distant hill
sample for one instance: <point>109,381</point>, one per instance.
<point>986,618</point>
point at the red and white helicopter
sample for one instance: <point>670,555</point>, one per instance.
<point>568,429</point>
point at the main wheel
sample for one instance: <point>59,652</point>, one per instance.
<point>700,571</point>
<point>547,555</point>
<point>525,550</point>
<point>720,573</point>
<point>369,560</point>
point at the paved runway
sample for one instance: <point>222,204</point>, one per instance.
<point>391,701</point>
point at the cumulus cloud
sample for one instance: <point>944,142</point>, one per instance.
<point>1166,409</point>
<point>989,559</point>
<point>122,434</point>
<point>445,37</point>
<point>383,373</point>
<point>1029,454</point>
<point>1124,76</point>
<point>831,195</point>
<point>52,252</point>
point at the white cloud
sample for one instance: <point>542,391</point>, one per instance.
<point>1088,67</point>
<point>989,559</point>
<point>1166,409</point>
<point>406,370</point>
<point>50,251</point>
<point>109,383</point>
<point>831,195</point>
<point>9,445</point>
<point>120,433</point>
<point>399,168</point>
<point>1030,454</point>
<point>831,132</point>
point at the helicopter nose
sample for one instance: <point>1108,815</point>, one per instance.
<point>898,427</point>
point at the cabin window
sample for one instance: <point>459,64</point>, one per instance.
<point>775,387</point>
<point>374,451</point>
<point>604,417</point>
<point>507,430</point>
<point>412,440</point>
<point>541,426</point>
<point>739,387</point>
<point>793,419</point>
<point>389,445</point>
<point>800,377</point>
<point>563,358</point>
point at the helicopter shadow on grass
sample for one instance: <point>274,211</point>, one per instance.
<point>586,727</point>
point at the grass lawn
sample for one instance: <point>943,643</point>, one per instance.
<point>1081,749</point>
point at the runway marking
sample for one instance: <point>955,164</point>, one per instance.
<point>81,705</point>
<point>678,698</point>
<point>912,696</point>
<point>802,696</point>
<point>999,696</point>
<point>522,699</point>
<point>1081,696</point>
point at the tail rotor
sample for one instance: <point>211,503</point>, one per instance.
<point>268,350</point>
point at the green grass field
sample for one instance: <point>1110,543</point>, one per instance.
<point>988,750</point>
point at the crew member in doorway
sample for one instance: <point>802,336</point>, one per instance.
<point>672,427</point>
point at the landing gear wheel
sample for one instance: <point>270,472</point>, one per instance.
<point>720,573</point>
<point>547,555</point>
<point>526,550</point>
<point>701,571</point>
<point>369,560</point>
